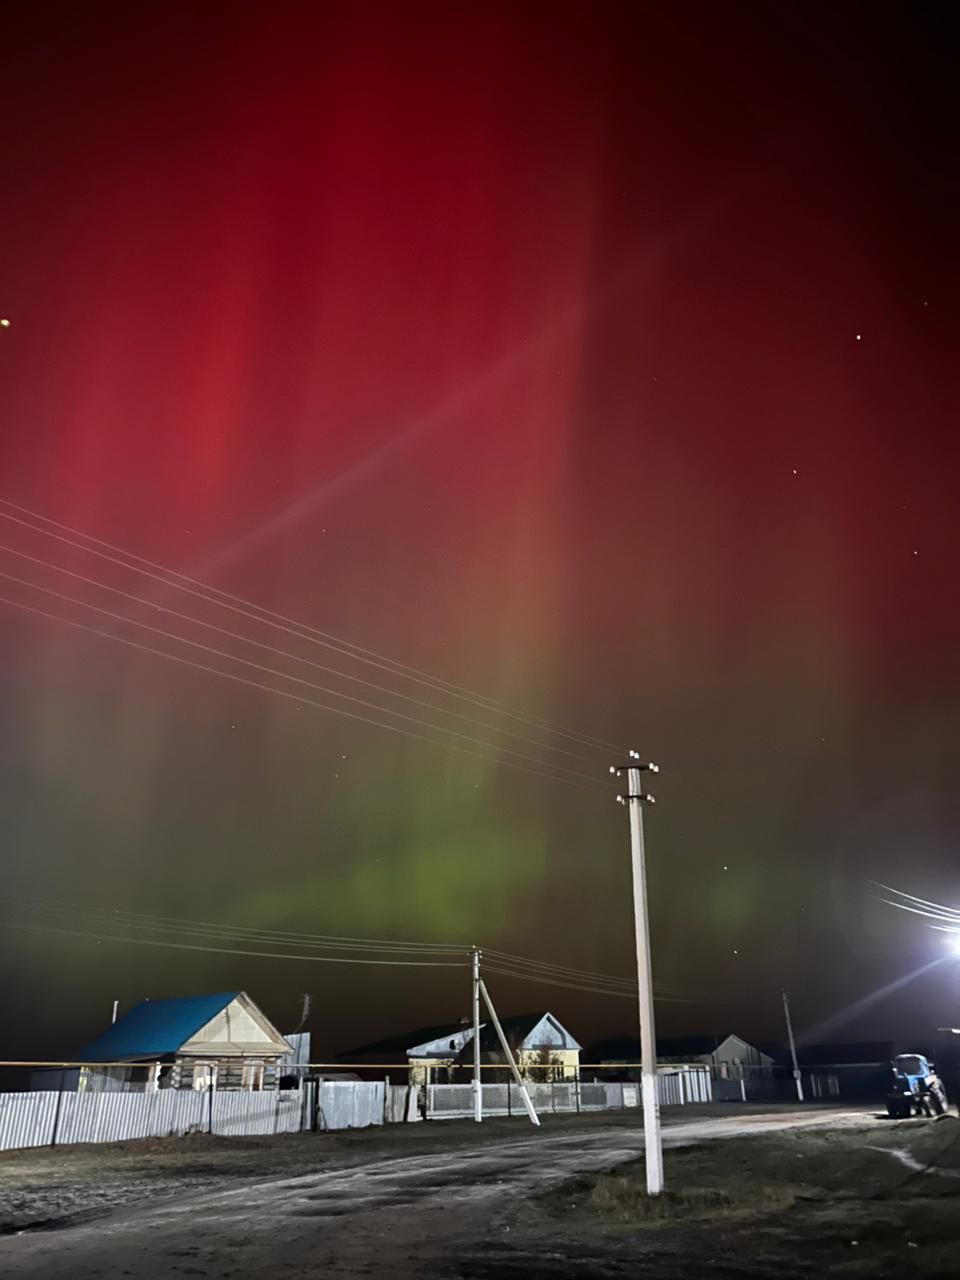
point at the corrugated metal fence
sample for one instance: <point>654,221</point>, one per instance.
<point>41,1119</point>
<point>349,1104</point>
<point>50,1118</point>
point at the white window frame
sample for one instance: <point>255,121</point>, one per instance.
<point>251,1076</point>
<point>204,1076</point>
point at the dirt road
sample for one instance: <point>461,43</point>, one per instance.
<point>407,1215</point>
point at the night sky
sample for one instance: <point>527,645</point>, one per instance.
<point>599,360</point>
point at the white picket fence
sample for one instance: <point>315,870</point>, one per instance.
<point>675,1088</point>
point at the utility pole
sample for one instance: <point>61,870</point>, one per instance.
<point>636,799</point>
<point>116,1006</point>
<point>477,1084</point>
<point>508,1054</point>
<point>793,1047</point>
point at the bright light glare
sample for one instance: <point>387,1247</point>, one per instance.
<point>953,942</point>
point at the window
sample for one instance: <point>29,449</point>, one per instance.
<point>252,1076</point>
<point>204,1075</point>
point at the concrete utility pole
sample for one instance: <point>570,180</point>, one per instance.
<point>793,1047</point>
<point>477,1084</point>
<point>508,1054</point>
<point>653,1146</point>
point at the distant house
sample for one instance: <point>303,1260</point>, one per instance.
<point>190,1042</point>
<point>543,1048</point>
<point>428,1054</point>
<point>729,1057</point>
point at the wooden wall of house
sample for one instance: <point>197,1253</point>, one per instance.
<point>229,1074</point>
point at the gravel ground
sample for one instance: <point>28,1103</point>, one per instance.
<point>445,1200</point>
<point>863,1201</point>
<point>50,1187</point>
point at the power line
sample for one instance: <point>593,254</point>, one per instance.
<point>921,907</point>
<point>282,653</point>
<point>574,986</point>
<point>566,971</point>
<point>534,971</point>
<point>268,617</point>
<point>314,959</point>
<point>561,970</point>
<point>284,693</point>
<point>553,982</point>
<point>522,969</point>
<point>283,675</point>
<point>661,994</point>
<point>235,951</point>
<point>129,919</point>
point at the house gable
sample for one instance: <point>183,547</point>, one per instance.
<point>548,1034</point>
<point>528,1033</point>
<point>445,1046</point>
<point>239,1030</point>
<point>733,1049</point>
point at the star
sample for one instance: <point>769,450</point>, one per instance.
<point>859,337</point>
<point>794,470</point>
<point>4,323</point>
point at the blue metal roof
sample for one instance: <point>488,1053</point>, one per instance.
<point>155,1028</point>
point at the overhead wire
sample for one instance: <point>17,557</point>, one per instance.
<point>269,617</point>
<point>235,951</point>
<point>293,937</point>
<point>552,982</point>
<point>532,970</point>
<point>567,971</point>
<point>283,653</point>
<point>318,959</point>
<point>293,697</point>
<point>283,675</point>
<point>513,966</point>
<point>171,924</point>
<point>938,911</point>
<point>575,986</point>
<point>920,911</point>
<point>101,917</point>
